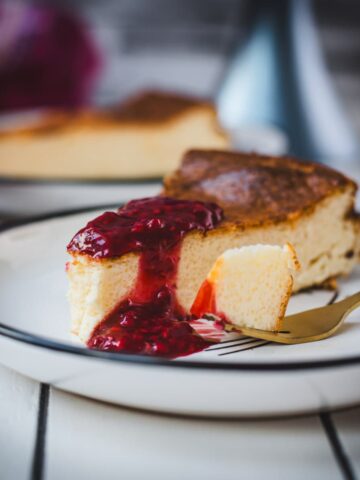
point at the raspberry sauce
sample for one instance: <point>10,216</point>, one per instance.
<point>150,321</point>
<point>205,304</point>
<point>205,300</point>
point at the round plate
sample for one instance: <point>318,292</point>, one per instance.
<point>241,379</point>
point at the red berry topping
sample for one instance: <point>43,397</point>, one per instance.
<point>150,321</point>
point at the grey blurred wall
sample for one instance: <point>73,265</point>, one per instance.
<point>184,44</point>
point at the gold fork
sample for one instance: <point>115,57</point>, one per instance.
<point>310,325</point>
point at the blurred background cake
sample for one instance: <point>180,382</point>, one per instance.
<point>143,138</point>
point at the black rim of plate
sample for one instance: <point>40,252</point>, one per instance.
<point>44,342</point>
<point>121,181</point>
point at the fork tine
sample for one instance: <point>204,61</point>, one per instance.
<point>240,337</point>
<point>244,349</point>
<point>334,297</point>
<point>248,340</point>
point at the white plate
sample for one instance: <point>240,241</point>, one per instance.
<point>271,380</point>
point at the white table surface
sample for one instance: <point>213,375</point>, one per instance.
<point>49,434</point>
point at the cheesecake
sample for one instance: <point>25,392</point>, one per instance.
<point>249,287</point>
<point>144,263</point>
<point>143,137</point>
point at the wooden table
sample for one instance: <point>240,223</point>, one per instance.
<point>49,434</point>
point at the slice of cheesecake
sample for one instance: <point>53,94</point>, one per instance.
<point>264,200</point>
<point>144,137</point>
<point>249,286</point>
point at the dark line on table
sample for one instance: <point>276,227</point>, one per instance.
<point>37,471</point>
<point>337,448</point>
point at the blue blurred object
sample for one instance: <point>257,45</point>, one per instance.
<point>277,95</point>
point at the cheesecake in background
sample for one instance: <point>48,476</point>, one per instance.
<point>142,138</point>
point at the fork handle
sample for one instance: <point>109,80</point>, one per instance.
<point>351,302</point>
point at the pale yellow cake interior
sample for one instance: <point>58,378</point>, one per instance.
<point>252,285</point>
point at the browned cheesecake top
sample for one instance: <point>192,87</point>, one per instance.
<point>254,189</point>
<point>155,107</point>
<point>146,108</point>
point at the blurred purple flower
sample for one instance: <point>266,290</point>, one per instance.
<point>47,58</point>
